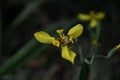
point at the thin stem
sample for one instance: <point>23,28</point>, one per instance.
<point>81,53</point>
<point>84,73</point>
<point>97,35</point>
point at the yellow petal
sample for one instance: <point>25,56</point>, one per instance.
<point>68,54</point>
<point>71,39</point>
<point>84,17</point>
<point>93,23</point>
<point>60,32</point>
<point>100,15</point>
<point>43,37</point>
<point>56,43</point>
<point>75,31</point>
<point>118,46</point>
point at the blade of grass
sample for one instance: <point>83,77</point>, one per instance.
<point>31,49</point>
<point>18,56</point>
<point>26,12</point>
<point>11,32</point>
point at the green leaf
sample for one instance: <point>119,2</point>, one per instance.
<point>111,52</point>
<point>14,61</point>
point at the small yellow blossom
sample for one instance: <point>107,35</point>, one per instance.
<point>94,42</point>
<point>92,17</point>
<point>62,41</point>
<point>117,47</point>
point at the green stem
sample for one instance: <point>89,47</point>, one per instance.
<point>81,53</point>
<point>84,73</point>
<point>111,53</point>
<point>97,35</point>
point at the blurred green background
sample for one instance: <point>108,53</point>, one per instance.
<point>24,58</point>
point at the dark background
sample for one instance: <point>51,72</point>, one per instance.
<point>20,19</point>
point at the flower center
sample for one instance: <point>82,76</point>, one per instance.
<point>64,40</point>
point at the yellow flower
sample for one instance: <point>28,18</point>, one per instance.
<point>92,17</point>
<point>117,47</point>
<point>62,41</point>
<point>94,42</point>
